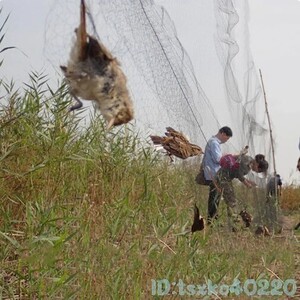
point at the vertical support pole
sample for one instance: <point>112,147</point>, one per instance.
<point>273,154</point>
<point>269,122</point>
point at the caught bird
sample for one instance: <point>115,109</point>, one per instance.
<point>245,150</point>
<point>262,230</point>
<point>92,73</point>
<point>246,217</point>
<point>175,143</point>
<point>199,223</point>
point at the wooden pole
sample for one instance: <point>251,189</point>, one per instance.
<point>269,121</point>
<point>270,128</point>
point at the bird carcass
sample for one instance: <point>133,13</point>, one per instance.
<point>199,223</point>
<point>246,217</point>
<point>175,143</point>
<point>262,230</point>
<point>92,73</point>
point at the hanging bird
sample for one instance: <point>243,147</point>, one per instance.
<point>246,217</point>
<point>175,143</point>
<point>92,73</point>
<point>199,223</point>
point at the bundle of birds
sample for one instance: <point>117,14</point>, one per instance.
<point>92,73</point>
<point>199,222</point>
<point>175,143</point>
<point>246,217</point>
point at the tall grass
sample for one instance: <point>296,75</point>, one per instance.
<point>87,214</point>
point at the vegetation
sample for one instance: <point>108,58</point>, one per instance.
<point>88,214</point>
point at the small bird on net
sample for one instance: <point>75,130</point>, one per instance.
<point>246,217</point>
<point>92,73</point>
<point>199,223</point>
<point>175,143</point>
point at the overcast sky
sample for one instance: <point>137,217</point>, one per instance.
<point>275,45</point>
<point>274,40</point>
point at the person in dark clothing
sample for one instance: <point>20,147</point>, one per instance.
<point>274,186</point>
<point>226,174</point>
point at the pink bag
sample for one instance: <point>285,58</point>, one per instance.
<point>230,162</point>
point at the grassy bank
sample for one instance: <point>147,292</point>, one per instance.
<point>87,214</point>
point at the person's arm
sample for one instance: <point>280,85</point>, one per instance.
<point>248,183</point>
<point>245,169</point>
<point>280,190</point>
<point>279,185</point>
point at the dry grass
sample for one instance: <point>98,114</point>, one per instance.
<point>290,199</point>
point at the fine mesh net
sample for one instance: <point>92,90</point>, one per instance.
<point>222,85</point>
<point>160,74</point>
<point>244,98</point>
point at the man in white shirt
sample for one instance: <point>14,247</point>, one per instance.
<point>211,165</point>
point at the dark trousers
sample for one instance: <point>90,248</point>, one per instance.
<point>213,202</point>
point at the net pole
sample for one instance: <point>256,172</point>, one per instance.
<point>269,122</point>
<point>270,130</point>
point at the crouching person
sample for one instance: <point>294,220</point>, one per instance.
<point>237,166</point>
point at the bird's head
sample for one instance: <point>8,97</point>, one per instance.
<point>122,117</point>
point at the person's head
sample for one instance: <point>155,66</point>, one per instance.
<point>259,164</point>
<point>298,165</point>
<point>224,134</point>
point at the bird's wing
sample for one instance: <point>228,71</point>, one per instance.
<point>196,150</point>
<point>175,133</point>
<point>176,147</point>
<point>157,139</point>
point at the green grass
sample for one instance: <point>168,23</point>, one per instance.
<point>87,214</point>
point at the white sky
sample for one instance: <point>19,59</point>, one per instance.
<point>275,45</point>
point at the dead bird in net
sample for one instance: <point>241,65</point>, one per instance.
<point>92,73</point>
<point>175,143</point>
<point>246,217</point>
<point>198,223</point>
<point>262,230</point>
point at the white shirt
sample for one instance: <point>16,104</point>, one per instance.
<point>211,158</point>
